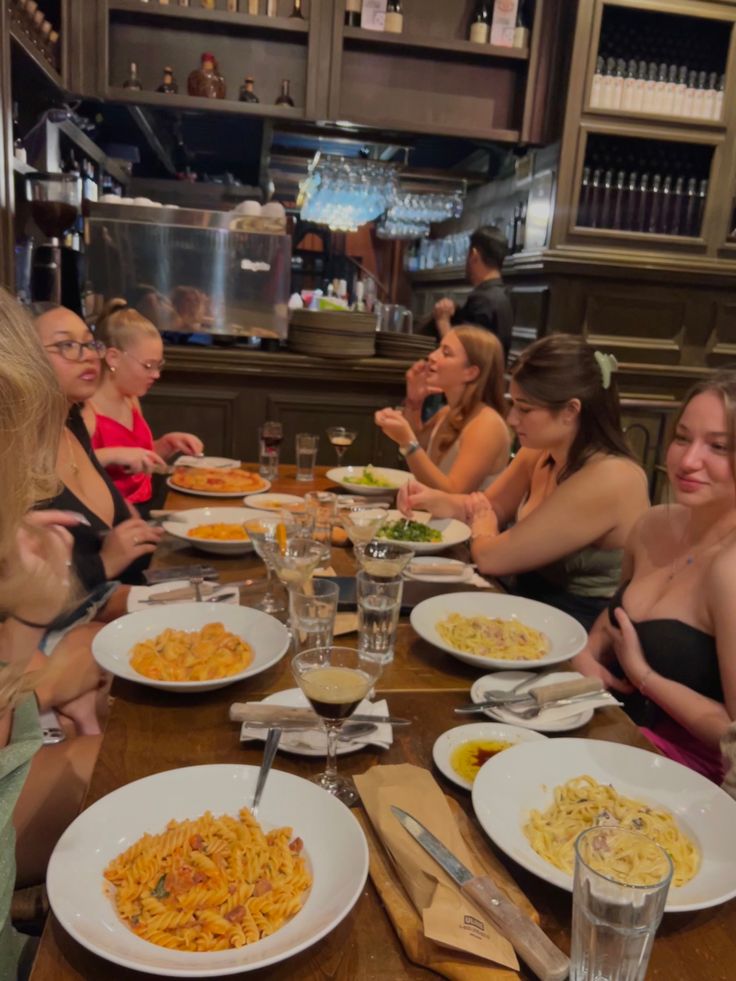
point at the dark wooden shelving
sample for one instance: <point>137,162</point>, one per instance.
<point>387,123</point>
<point>90,150</point>
<point>36,57</point>
<point>686,122</point>
<point>197,104</point>
<point>438,45</point>
<point>271,25</point>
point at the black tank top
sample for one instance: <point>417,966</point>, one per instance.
<point>677,651</point>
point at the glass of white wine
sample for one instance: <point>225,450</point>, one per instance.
<point>335,680</point>
<point>341,438</point>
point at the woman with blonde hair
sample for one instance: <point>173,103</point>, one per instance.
<point>466,444</point>
<point>120,435</point>
<point>560,514</point>
<point>41,798</point>
<point>668,639</point>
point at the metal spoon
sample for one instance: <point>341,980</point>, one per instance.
<point>269,753</point>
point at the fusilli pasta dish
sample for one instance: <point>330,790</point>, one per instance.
<point>508,640</point>
<point>212,883</point>
<point>583,803</point>
<point>191,655</point>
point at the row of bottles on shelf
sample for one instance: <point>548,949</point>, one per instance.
<point>666,90</point>
<point>33,22</point>
<point>206,82</point>
<point>267,8</point>
<point>656,204</point>
<point>506,24</point>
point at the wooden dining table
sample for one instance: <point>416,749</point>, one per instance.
<point>149,731</point>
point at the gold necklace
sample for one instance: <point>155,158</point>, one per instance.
<point>73,465</point>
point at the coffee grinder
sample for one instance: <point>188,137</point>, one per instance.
<point>56,270</point>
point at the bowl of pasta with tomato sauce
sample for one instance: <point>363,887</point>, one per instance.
<point>190,647</point>
<point>173,876</point>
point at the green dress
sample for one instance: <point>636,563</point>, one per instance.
<point>15,761</point>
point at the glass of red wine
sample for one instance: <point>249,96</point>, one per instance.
<point>335,680</point>
<point>270,436</point>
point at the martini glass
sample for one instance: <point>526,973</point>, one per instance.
<point>295,564</point>
<point>270,537</point>
<point>361,522</point>
<point>341,438</point>
<point>335,680</point>
<point>383,560</point>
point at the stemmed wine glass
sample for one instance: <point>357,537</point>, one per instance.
<point>341,438</point>
<point>335,680</point>
<point>270,537</point>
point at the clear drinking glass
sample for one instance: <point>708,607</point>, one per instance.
<point>335,681</point>
<point>301,517</point>
<point>313,610</point>
<point>323,506</point>
<point>341,438</point>
<point>382,559</point>
<point>269,537</point>
<point>270,435</point>
<point>306,456</point>
<point>379,603</point>
<point>616,908</point>
<point>361,521</point>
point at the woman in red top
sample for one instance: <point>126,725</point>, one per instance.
<point>120,435</point>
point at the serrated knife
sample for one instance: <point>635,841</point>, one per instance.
<point>529,941</point>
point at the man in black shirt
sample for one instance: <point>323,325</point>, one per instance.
<point>487,305</point>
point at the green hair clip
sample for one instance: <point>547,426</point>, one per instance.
<point>607,364</point>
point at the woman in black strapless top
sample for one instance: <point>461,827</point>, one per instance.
<point>668,639</point>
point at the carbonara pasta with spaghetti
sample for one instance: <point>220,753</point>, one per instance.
<point>583,803</point>
<point>508,640</point>
<point>194,655</point>
<point>212,883</point>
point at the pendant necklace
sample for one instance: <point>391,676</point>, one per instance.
<point>73,465</point>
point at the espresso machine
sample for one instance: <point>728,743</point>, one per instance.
<point>56,274</point>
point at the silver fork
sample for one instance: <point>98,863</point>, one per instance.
<point>269,753</point>
<point>196,582</point>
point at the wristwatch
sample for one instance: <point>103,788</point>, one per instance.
<point>410,448</point>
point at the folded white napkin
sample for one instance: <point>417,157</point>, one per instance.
<point>558,712</point>
<point>138,594</point>
<point>314,741</point>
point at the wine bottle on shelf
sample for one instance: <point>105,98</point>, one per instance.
<point>692,85</point>
<point>296,10</point>
<point>285,98</point>
<point>678,105</point>
<point>619,200</point>
<point>608,82</point>
<point>691,208</point>
<point>583,219</point>
<point>650,88</point>
<point>246,90</point>
<point>52,52</point>
<point>254,7</point>
<point>595,198</point>
<point>272,8</point>
<point>699,96</point>
<point>132,82</point>
<point>632,198</point>
<point>676,207</point>
<point>700,211</point>
<point>596,89</point>
<point>668,104</point>
<point>168,83</point>
<point>394,20</point>
<point>231,6</point>
<point>655,204</point>
<point>641,86</point>
<point>718,101</point>
<point>353,9</point>
<point>480,23</point>
<point>606,209</point>
<point>522,31</point>
<point>628,97</point>
<point>665,206</point>
<point>207,4</point>
<point>660,89</point>
<point>642,204</point>
<point>709,100</point>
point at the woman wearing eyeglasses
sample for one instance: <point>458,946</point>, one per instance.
<point>121,437</point>
<point>112,545</point>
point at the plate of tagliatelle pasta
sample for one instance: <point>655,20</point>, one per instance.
<point>190,646</point>
<point>534,802</point>
<point>490,630</point>
<point>216,530</point>
<point>171,874</point>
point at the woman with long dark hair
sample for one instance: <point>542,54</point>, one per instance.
<point>466,444</point>
<point>559,516</point>
<point>671,628</point>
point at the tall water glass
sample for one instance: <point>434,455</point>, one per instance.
<point>379,603</point>
<point>306,456</point>
<point>313,609</point>
<point>323,506</point>
<point>617,907</point>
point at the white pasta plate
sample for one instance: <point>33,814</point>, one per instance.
<point>345,475</point>
<point>334,846</point>
<point>446,744</point>
<point>565,635</point>
<point>113,645</point>
<point>548,720</point>
<point>453,532</point>
<point>184,521</point>
<point>511,785</point>
<point>272,502</point>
